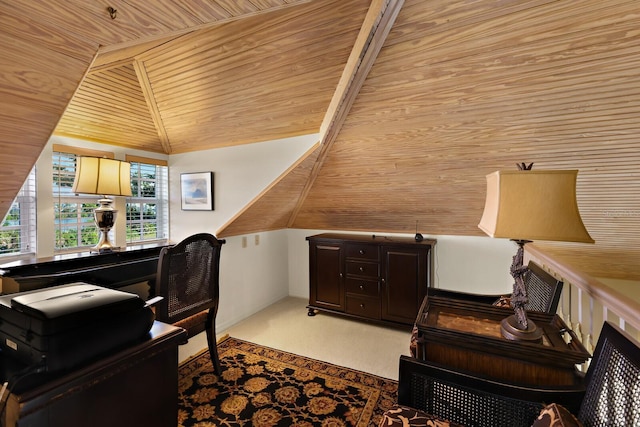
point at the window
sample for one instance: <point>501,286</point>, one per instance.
<point>18,229</point>
<point>147,209</point>
<point>73,215</point>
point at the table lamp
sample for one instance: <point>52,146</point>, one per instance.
<point>525,205</point>
<point>106,177</point>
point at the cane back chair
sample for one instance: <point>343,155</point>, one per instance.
<point>543,291</point>
<point>188,280</point>
<point>608,396</point>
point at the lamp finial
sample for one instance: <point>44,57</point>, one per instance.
<point>524,167</point>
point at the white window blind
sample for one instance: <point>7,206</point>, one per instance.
<point>147,209</point>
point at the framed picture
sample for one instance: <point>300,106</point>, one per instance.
<point>197,191</point>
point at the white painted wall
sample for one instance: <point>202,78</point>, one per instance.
<point>240,174</point>
<point>253,277</point>
<point>461,263</point>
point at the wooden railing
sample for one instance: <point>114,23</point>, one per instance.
<point>587,302</point>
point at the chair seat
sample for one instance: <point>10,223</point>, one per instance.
<point>193,324</point>
<point>404,416</point>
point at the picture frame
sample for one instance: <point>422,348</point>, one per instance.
<point>196,190</point>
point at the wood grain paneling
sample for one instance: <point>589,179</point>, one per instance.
<point>111,108</point>
<point>40,69</point>
<point>462,89</point>
<point>46,48</point>
<point>272,78</point>
<point>458,89</point>
<point>278,69</point>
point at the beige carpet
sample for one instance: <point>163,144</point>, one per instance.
<point>285,325</point>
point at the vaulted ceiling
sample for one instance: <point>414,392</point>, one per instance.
<point>263,77</point>
<point>414,101</point>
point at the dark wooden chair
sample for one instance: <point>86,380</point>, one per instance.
<point>543,290</point>
<point>608,396</point>
<point>188,280</point>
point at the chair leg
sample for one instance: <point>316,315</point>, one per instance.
<point>210,328</point>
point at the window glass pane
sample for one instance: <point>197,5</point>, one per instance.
<point>18,228</point>
<point>73,220</point>
<point>64,172</point>
<point>147,209</point>
<point>9,241</point>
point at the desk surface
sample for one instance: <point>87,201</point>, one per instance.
<point>112,270</point>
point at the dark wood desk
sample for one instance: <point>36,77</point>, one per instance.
<point>137,386</point>
<point>112,270</point>
<point>466,336</point>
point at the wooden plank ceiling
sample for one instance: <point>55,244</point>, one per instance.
<point>46,49</point>
<point>415,102</point>
<point>263,77</point>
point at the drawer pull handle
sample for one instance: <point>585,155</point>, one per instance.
<point>361,305</point>
<point>361,287</point>
<point>361,269</point>
<point>361,251</point>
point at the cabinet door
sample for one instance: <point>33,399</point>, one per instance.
<point>404,282</point>
<point>326,288</point>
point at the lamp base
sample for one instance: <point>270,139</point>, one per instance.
<point>511,330</point>
<point>104,250</point>
<point>104,246</point>
<point>105,217</point>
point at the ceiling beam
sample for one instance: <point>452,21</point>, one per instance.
<point>373,33</point>
<point>149,96</point>
<point>161,37</point>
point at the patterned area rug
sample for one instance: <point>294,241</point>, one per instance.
<point>261,386</point>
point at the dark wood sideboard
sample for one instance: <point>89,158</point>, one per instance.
<point>374,278</point>
<point>136,386</point>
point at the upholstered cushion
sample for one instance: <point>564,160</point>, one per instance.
<point>403,416</point>
<point>193,324</point>
<point>554,415</point>
<point>413,344</point>
<point>503,301</point>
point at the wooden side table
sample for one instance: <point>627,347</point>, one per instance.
<point>466,336</point>
<point>133,387</point>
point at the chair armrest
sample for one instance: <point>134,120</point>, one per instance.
<point>464,296</point>
<point>474,400</point>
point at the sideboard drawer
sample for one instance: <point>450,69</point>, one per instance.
<point>363,287</point>
<point>364,306</point>
<point>363,269</point>
<point>368,252</point>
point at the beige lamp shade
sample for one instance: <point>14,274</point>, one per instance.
<point>103,176</point>
<point>533,205</point>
